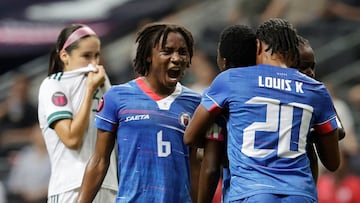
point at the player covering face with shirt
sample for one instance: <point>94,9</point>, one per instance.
<point>68,99</point>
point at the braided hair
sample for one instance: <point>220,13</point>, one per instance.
<point>281,38</point>
<point>149,37</point>
<point>237,44</point>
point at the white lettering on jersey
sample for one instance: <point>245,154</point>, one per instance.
<point>298,86</point>
<point>279,83</point>
<point>137,117</point>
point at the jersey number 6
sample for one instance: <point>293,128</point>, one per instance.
<point>164,147</point>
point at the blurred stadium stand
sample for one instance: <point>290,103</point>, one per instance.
<point>28,29</point>
<point>116,31</point>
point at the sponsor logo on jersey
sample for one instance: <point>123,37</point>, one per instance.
<point>137,117</point>
<point>59,99</point>
<point>184,119</point>
<point>100,105</point>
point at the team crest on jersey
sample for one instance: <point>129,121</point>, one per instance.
<point>100,105</point>
<point>184,119</point>
<point>59,99</point>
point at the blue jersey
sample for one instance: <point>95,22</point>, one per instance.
<point>272,110</point>
<point>153,160</point>
<point>225,184</point>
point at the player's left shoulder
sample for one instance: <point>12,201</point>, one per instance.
<point>187,92</point>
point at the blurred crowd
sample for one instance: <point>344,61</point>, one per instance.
<point>25,167</point>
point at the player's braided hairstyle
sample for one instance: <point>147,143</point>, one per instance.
<point>281,38</point>
<point>149,37</point>
<point>55,63</point>
<point>302,40</point>
<point>237,44</point>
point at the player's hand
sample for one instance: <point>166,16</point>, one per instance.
<point>95,79</point>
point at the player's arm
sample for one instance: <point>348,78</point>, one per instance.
<point>314,166</point>
<point>341,128</point>
<point>311,150</point>
<point>214,152</point>
<point>195,165</point>
<point>97,166</point>
<point>196,130</point>
<point>71,131</point>
<point>327,146</point>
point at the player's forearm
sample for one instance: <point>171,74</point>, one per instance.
<point>94,175</point>
<point>195,165</point>
<point>328,150</point>
<point>81,120</point>
<point>208,181</point>
<point>195,132</point>
<point>313,161</point>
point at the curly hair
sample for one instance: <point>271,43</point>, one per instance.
<point>237,44</point>
<point>149,37</point>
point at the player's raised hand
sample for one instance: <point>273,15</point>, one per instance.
<point>96,78</point>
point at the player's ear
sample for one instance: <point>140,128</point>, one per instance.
<point>225,64</point>
<point>258,47</point>
<point>64,56</point>
<point>148,59</point>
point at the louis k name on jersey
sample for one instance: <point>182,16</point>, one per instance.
<point>280,83</point>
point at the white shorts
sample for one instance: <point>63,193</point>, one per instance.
<point>104,195</point>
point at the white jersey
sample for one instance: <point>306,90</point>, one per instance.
<point>60,97</point>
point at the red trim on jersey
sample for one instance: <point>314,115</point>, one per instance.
<point>324,128</point>
<point>215,109</point>
<point>146,89</point>
<point>219,137</point>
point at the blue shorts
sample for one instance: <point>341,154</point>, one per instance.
<point>275,198</point>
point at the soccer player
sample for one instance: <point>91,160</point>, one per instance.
<point>271,111</point>
<point>231,44</point>
<point>306,65</point>
<point>215,156</point>
<point>236,48</point>
<point>68,99</point>
<point>147,117</point>
<point>306,62</point>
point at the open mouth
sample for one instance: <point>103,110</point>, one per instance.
<point>174,73</point>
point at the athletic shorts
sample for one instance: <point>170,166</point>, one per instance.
<point>104,195</point>
<point>274,198</point>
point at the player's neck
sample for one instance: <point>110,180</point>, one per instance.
<point>271,59</point>
<point>160,90</point>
